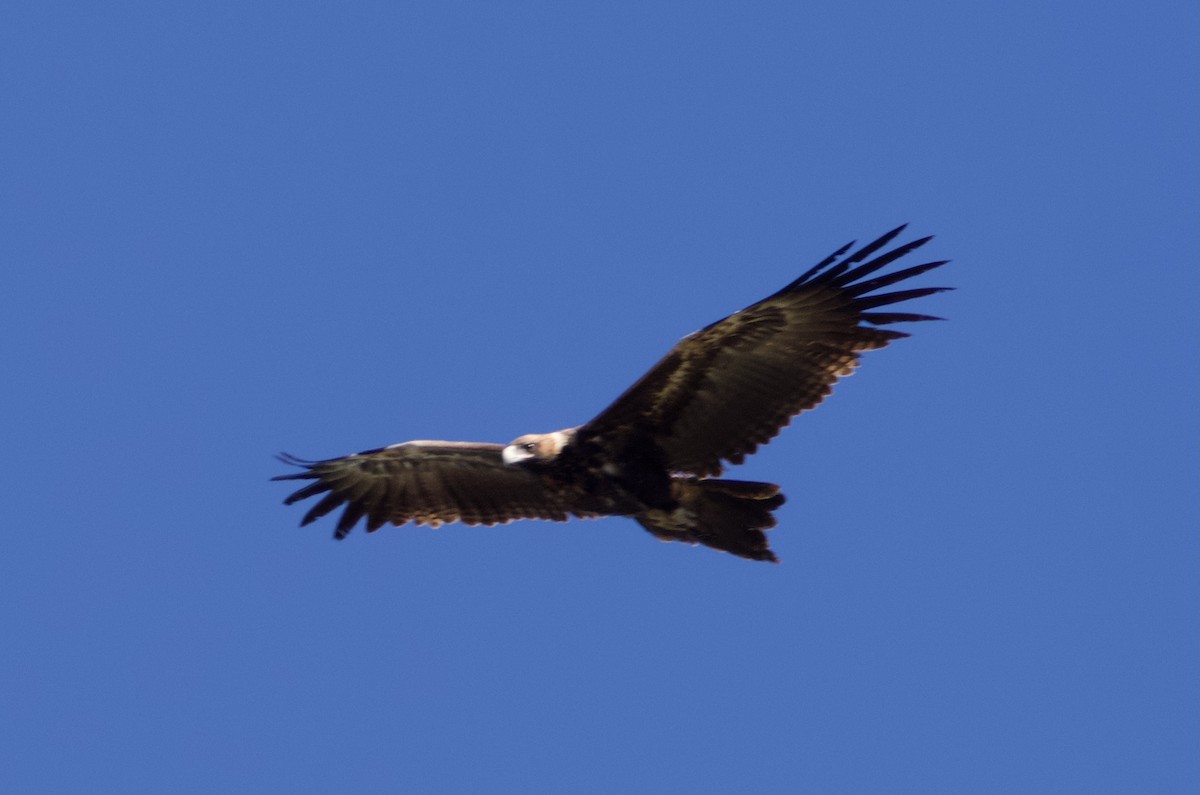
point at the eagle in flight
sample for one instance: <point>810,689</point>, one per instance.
<point>656,453</point>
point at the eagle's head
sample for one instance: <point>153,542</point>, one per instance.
<point>536,448</point>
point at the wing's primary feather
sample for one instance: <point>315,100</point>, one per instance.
<point>425,482</point>
<point>726,389</point>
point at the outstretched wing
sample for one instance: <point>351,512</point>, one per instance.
<point>424,482</point>
<point>726,389</point>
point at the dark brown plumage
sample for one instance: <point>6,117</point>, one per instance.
<point>653,454</point>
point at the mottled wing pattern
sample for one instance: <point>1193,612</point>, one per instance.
<point>425,482</point>
<point>730,387</point>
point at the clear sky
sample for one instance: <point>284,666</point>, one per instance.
<point>229,230</point>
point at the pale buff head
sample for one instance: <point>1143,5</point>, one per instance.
<point>536,448</point>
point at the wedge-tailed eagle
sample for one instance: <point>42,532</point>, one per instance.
<point>655,453</point>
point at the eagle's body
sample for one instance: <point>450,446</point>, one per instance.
<point>654,453</point>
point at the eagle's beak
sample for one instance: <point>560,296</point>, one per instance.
<point>513,455</point>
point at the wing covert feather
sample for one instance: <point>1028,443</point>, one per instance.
<point>733,385</point>
<point>425,482</point>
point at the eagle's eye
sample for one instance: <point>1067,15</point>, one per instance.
<point>529,447</point>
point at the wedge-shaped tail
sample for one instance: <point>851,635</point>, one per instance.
<point>729,515</point>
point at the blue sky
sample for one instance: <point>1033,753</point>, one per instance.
<point>229,230</point>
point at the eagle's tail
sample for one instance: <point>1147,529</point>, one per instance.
<point>730,515</point>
